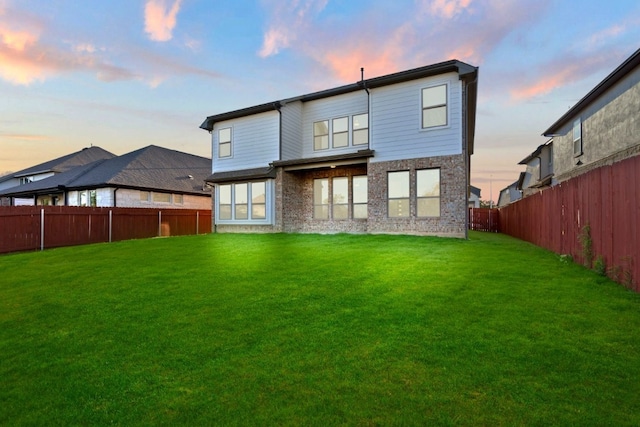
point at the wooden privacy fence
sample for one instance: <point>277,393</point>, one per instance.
<point>484,219</point>
<point>24,228</point>
<point>594,217</point>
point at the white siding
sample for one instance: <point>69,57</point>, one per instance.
<point>255,142</point>
<point>292,131</point>
<point>396,129</point>
<point>346,105</point>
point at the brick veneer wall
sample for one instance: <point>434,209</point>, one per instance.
<point>294,201</point>
<point>297,212</point>
<point>453,198</point>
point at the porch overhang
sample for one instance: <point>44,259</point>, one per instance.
<point>242,175</point>
<point>325,162</point>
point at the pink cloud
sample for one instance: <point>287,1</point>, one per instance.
<point>288,19</point>
<point>447,8</point>
<point>566,70</point>
<point>160,19</point>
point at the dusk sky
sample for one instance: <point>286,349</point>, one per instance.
<point>125,74</point>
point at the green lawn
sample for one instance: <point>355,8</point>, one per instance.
<point>314,330</point>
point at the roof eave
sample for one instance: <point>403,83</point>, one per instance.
<point>622,70</point>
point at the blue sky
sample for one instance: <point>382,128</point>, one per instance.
<point>124,74</point>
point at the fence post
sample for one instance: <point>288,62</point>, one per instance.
<point>110,224</point>
<point>197,221</point>
<point>42,229</point>
<point>159,223</point>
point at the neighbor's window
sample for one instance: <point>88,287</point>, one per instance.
<point>434,106</point>
<point>361,129</point>
<point>577,137</point>
<point>162,197</point>
<point>224,195</point>
<point>340,132</point>
<point>428,192</point>
<point>258,200</point>
<point>341,198</point>
<point>321,198</point>
<point>321,135</point>
<point>145,196</point>
<point>224,142</point>
<point>360,197</point>
<point>398,206</point>
<point>178,199</point>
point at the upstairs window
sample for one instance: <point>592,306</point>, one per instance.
<point>577,137</point>
<point>340,132</point>
<point>321,135</point>
<point>224,142</point>
<point>434,106</point>
<point>360,129</point>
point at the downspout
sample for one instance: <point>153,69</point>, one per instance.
<point>115,203</point>
<point>364,86</point>
<point>467,156</point>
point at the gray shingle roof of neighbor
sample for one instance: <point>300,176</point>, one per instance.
<point>64,163</point>
<point>616,75</point>
<point>151,168</point>
<point>467,72</point>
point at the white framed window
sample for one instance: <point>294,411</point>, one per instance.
<point>428,192</point>
<point>321,198</point>
<point>26,180</point>
<point>434,106</point>
<point>360,129</point>
<point>224,202</point>
<point>577,137</point>
<point>178,199</point>
<point>340,135</point>
<point>258,200</point>
<point>321,135</point>
<point>340,199</point>
<point>398,194</point>
<point>360,197</point>
<point>241,199</point>
<point>224,143</point>
<point>243,202</point>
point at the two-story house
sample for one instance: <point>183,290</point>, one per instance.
<point>603,127</point>
<point>389,154</point>
<point>539,169</point>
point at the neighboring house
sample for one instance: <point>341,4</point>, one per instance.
<point>539,172</point>
<point>148,177</point>
<point>51,168</point>
<point>603,127</point>
<point>474,197</point>
<point>384,155</point>
<point>509,194</point>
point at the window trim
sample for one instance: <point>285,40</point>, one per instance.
<point>407,198</point>
<point>345,132</point>
<point>229,143</point>
<point>438,197</point>
<point>268,203</point>
<point>364,129</point>
<point>446,105</point>
<point>327,121</point>
<point>577,126</point>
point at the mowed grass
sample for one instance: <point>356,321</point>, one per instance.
<point>314,330</point>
